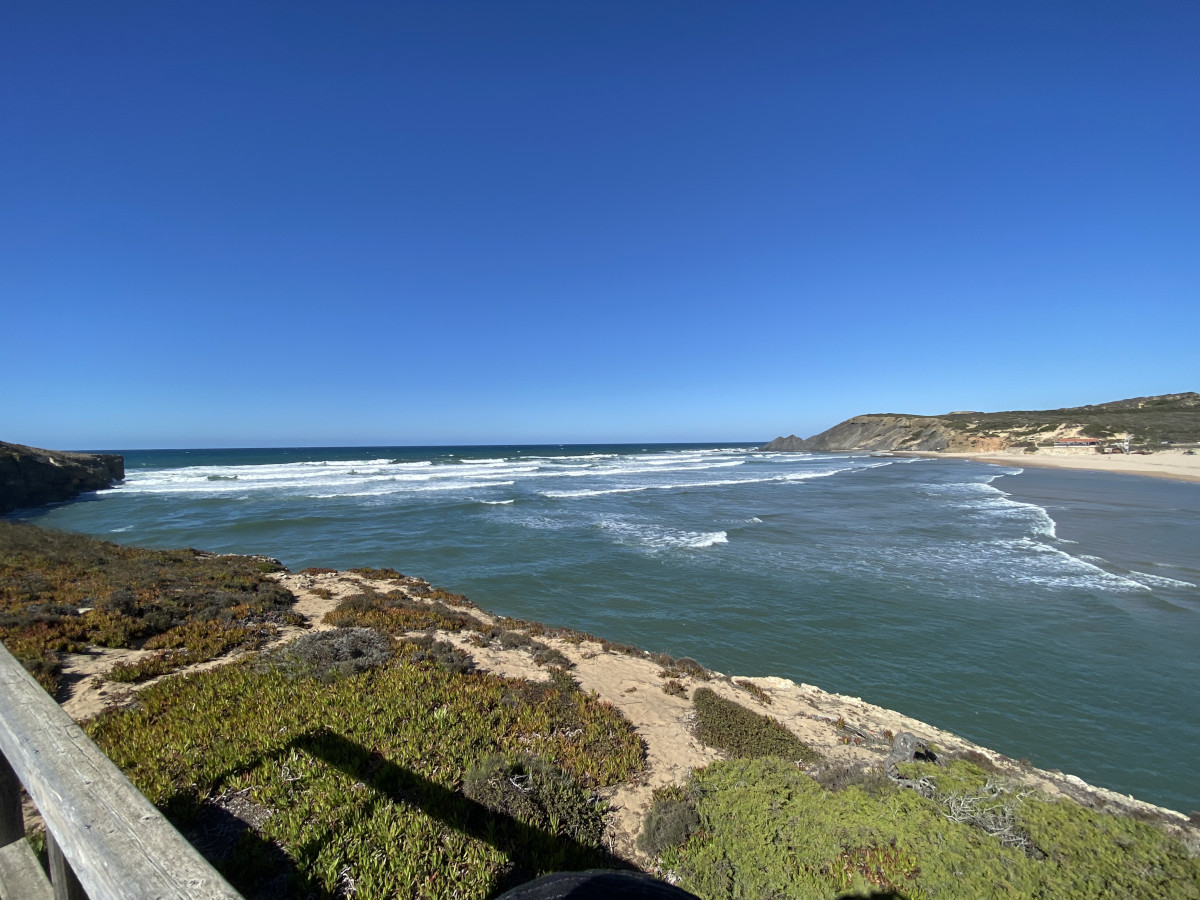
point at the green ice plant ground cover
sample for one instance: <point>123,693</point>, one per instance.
<point>355,784</point>
<point>762,828</point>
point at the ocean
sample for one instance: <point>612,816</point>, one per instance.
<point>1046,614</point>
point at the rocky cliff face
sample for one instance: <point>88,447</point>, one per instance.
<point>887,433</point>
<point>876,433</point>
<point>30,476</point>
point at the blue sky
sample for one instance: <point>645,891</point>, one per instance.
<point>256,224</point>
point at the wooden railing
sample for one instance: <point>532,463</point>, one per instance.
<point>104,839</point>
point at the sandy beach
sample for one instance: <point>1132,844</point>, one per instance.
<point>1173,464</point>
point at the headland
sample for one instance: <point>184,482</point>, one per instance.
<point>30,476</point>
<point>1157,436</point>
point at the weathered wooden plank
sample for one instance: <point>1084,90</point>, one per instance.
<point>12,820</point>
<point>21,876</point>
<point>62,880</point>
<point>117,843</point>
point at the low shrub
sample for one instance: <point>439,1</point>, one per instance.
<point>513,640</point>
<point>442,653</point>
<point>674,688</point>
<point>188,644</point>
<point>509,639</point>
<point>689,666</point>
<point>671,820</point>
<point>679,668</point>
<point>754,691</point>
<point>731,727</point>
<point>626,649</point>
<point>142,669</point>
<point>379,574</point>
<point>538,793</point>
<point>395,613</point>
<point>549,656</point>
<point>869,779</point>
<point>328,655</point>
<point>60,593</point>
<point>980,761</point>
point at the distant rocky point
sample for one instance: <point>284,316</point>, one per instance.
<point>30,476</point>
<point>1144,421</point>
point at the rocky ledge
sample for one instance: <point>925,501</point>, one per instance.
<point>30,476</point>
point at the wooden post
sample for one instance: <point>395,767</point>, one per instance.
<point>12,821</point>
<point>103,833</point>
<point>62,879</point>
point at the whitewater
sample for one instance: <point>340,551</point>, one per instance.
<point>1048,615</point>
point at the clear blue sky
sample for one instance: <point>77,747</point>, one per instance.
<point>239,223</point>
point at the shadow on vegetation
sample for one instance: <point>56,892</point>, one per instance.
<point>263,871</point>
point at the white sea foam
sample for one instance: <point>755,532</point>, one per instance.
<point>1159,580</point>
<point>497,502</point>
<point>587,456</point>
<point>986,497</point>
<point>657,537</point>
<point>597,492</point>
<point>609,473</point>
<point>678,485</point>
<point>714,482</point>
<point>1070,568</point>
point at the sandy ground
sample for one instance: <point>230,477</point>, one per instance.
<point>845,730</point>
<point>1175,464</point>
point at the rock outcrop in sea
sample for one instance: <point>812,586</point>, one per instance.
<point>30,476</point>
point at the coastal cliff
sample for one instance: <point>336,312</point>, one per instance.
<point>30,476</point>
<point>1150,421</point>
<point>874,432</point>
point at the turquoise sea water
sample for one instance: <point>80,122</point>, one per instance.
<point>1046,614</point>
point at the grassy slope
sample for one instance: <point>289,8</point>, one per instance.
<point>60,593</point>
<point>768,830</point>
<point>357,780</point>
<point>1149,420</point>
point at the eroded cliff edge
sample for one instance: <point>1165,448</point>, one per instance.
<point>30,476</point>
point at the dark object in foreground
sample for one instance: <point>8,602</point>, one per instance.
<point>596,884</point>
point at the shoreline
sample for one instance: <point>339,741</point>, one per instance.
<point>1169,464</point>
